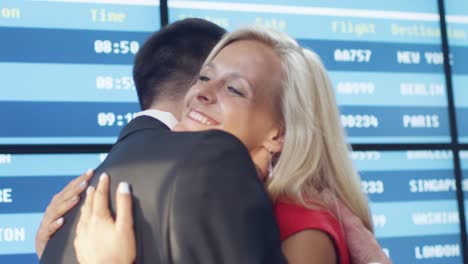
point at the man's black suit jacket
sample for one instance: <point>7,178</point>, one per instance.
<point>197,199</point>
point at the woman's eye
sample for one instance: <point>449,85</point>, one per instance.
<point>235,91</point>
<point>203,78</point>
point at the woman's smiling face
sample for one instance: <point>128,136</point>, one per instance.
<point>236,92</point>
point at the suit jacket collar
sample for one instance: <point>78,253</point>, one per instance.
<point>166,117</point>
<point>141,123</point>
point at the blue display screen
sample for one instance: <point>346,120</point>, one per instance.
<point>384,58</point>
<point>457,28</point>
<point>67,68</point>
<point>27,184</point>
<point>464,169</point>
<point>413,204</point>
<point>66,78</point>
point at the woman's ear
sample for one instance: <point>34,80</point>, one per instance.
<point>274,140</point>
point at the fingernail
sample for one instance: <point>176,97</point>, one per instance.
<point>103,176</point>
<point>89,190</point>
<point>89,171</point>
<point>124,188</point>
<point>82,184</point>
<point>59,221</point>
<point>74,198</point>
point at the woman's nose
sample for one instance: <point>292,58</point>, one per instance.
<point>207,93</point>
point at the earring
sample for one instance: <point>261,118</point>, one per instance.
<point>270,162</point>
<point>270,165</point>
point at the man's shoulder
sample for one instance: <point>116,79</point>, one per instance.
<point>195,146</point>
<point>215,154</point>
<point>216,140</point>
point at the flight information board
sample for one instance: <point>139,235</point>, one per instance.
<point>384,58</point>
<point>413,203</point>
<point>464,169</point>
<point>66,68</point>
<point>457,29</point>
<point>27,184</point>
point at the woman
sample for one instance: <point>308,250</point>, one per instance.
<point>294,138</point>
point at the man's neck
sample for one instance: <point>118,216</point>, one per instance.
<point>163,116</point>
<point>170,107</point>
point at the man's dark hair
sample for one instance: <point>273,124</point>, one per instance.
<point>171,58</point>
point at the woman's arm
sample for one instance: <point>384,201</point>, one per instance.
<point>308,247</point>
<point>362,244</point>
<point>99,238</point>
<point>60,204</point>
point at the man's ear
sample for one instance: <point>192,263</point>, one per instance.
<point>274,140</point>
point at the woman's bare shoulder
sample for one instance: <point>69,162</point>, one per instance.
<point>309,246</point>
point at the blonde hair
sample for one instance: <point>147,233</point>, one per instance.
<point>315,156</point>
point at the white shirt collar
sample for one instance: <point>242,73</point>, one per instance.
<point>167,118</point>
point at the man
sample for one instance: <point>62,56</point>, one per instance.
<point>197,197</point>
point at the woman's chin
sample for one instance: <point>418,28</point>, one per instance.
<point>184,126</point>
<point>179,128</point>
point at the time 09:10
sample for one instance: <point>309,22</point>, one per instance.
<point>110,119</point>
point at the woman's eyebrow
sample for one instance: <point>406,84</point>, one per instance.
<point>237,75</point>
<point>210,65</point>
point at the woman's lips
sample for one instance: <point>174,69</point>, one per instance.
<point>202,118</point>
